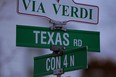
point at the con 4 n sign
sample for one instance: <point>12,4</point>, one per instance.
<point>60,10</point>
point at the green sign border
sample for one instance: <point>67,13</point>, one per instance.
<point>81,61</point>
<point>25,37</point>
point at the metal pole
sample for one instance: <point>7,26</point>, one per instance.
<point>58,75</point>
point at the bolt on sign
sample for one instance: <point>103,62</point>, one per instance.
<point>42,37</point>
<point>60,10</point>
<point>71,60</point>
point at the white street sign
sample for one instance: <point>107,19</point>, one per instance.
<point>60,10</point>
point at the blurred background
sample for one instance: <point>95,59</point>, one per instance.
<point>18,61</point>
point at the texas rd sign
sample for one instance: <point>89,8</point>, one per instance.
<point>41,37</point>
<point>71,60</point>
<point>60,10</point>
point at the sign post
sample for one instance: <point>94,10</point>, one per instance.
<point>42,37</point>
<point>76,42</point>
<point>71,60</point>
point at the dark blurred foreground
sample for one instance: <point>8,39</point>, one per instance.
<point>100,68</point>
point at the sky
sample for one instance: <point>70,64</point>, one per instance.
<point>14,59</point>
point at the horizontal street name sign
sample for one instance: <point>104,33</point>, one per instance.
<point>42,37</point>
<point>60,10</point>
<point>71,60</point>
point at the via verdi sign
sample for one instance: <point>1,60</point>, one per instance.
<point>60,10</point>
<point>41,37</point>
<point>74,59</point>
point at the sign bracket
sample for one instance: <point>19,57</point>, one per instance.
<point>57,50</point>
<point>57,25</point>
<point>58,72</point>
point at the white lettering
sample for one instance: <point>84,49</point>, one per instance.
<point>36,36</point>
<point>72,62</point>
<point>47,64</point>
<point>52,63</point>
<point>77,42</point>
<point>65,61</point>
<point>66,36</point>
<point>58,39</point>
<point>55,62</point>
<point>80,42</point>
<point>58,62</point>
<point>50,38</point>
<point>43,37</point>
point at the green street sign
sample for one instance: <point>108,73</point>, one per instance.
<point>41,37</point>
<point>71,60</point>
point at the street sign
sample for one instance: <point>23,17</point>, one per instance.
<point>71,60</point>
<point>60,10</point>
<point>42,37</point>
